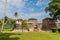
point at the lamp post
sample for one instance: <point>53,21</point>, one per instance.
<point>5,6</point>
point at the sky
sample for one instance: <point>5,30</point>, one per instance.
<point>26,9</point>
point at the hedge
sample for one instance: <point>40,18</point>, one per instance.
<point>59,30</point>
<point>54,30</point>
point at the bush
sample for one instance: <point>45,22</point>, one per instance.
<point>54,30</point>
<point>59,30</point>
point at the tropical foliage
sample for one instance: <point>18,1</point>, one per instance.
<point>7,21</point>
<point>54,9</point>
<point>0,23</point>
<point>16,14</point>
<point>24,23</point>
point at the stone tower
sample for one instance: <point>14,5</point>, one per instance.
<point>49,23</point>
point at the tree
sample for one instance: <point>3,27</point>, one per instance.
<point>24,24</point>
<point>6,19</point>
<point>16,14</point>
<point>0,25</point>
<point>4,22</point>
<point>54,9</point>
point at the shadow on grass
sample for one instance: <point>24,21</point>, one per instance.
<point>6,36</point>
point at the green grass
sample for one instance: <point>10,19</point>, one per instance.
<point>30,36</point>
<point>7,29</point>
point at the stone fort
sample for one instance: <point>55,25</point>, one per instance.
<point>34,25</point>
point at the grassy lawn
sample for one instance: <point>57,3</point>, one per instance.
<point>30,36</point>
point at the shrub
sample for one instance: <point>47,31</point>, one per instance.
<point>59,30</point>
<point>54,30</point>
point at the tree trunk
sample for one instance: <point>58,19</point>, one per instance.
<point>2,29</point>
<point>2,26</point>
<point>22,29</point>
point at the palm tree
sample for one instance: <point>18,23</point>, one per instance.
<point>16,14</point>
<point>24,24</point>
<point>5,19</point>
<point>4,15</point>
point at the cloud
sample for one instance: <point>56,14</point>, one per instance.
<point>40,2</point>
<point>12,3</point>
<point>11,6</point>
<point>30,15</point>
<point>23,15</point>
<point>26,0</point>
<point>39,15</point>
<point>17,3</point>
<point>34,15</point>
<point>26,8</point>
<point>31,9</point>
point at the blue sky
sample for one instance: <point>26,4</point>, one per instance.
<point>26,9</point>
